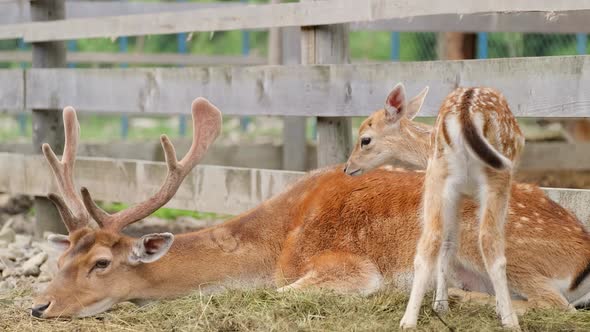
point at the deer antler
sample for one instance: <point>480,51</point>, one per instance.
<point>70,206</point>
<point>206,127</point>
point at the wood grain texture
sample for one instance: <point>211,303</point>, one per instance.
<point>208,188</point>
<point>47,124</point>
<point>539,22</point>
<point>272,15</point>
<point>12,90</point>
<point>534,87</point>
<point>142,58</point>
<point>562,22</point>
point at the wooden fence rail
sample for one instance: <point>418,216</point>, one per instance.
<point>538,156</point>
<point>534,87</point>
<point>272,15</point>
<point>208,188</point>
<point>562,22</point>
<point>169,59</point>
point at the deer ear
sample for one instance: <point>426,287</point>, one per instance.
<point>395,104</point>
<point>151,247</point>
<point>415,104</point>
<point>59,242</point>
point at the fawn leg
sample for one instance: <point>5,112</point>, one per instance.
<point>450,232</point>
<point>494,203</point>
<point>427,250</point>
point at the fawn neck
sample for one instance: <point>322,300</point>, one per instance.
<point>415,146</point>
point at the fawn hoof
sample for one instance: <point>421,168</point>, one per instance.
<point>407,324</point>
<point>441,306</point>
<point>511,323</point>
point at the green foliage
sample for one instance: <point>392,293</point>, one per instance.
<point>166,213</point>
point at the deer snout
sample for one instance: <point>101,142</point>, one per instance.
<point>38,309</point>
<point>351,169</point>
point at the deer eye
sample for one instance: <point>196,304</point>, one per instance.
<point>365,141</point>
<point>102,263</point>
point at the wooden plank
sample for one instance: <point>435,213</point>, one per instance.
<point>47,123</point>
<point>19,12</point>
<point>575,200</point>
<point>538,156</point>
<point>208,188</point>
<point>272,15</point>
<point>287,49</point>
<point>328,45</point>
<point>12,89</point>
<point>142,58</point>
<point>556,155</point>
<point>537,87</point>
<point>539,22</point>
<point>563,22</point>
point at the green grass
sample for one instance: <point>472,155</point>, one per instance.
<point>267,310</point>
<point>168,214</point>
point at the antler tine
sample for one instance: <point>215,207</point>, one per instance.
<point>70,206</point>
<point>206,128</point>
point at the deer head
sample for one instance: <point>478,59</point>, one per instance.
<point>390,134</point>
<point>100,267</point>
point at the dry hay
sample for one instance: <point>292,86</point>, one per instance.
<point>267,310</point>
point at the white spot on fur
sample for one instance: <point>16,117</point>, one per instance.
<point>518,225</point>
<point>536,214</point>
<point>520,205</point>
<point>524,219</point>
<point>540,221</point>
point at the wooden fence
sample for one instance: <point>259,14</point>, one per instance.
<point>325,85</point>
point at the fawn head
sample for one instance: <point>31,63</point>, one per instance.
<point>100,267</point>
<point>385,135</point>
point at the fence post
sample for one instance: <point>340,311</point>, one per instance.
<point>182,49</point>
<point>22,117</point>
<point>395,46</point>
<point>123,48</point>
<point>245,120</point>
<point>284,49</point>
<point>328,44</point>
<point>48,123</point>
<point>294,127</point>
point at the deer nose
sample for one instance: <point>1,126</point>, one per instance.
<point>37,311</point>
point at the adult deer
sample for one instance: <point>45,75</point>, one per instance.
<point>349,234</point>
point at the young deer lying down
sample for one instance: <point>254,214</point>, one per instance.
<point>350,234</point>
<point>473,149</point>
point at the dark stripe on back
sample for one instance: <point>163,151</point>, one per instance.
<point>580,277</point>
<point>472,137</point>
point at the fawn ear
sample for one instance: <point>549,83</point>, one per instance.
<point>415,104</point>
<point>395,104</point>
<point>59,242</point>
<point>151,247</point>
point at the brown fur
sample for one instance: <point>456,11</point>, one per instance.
<point>327,211</point>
